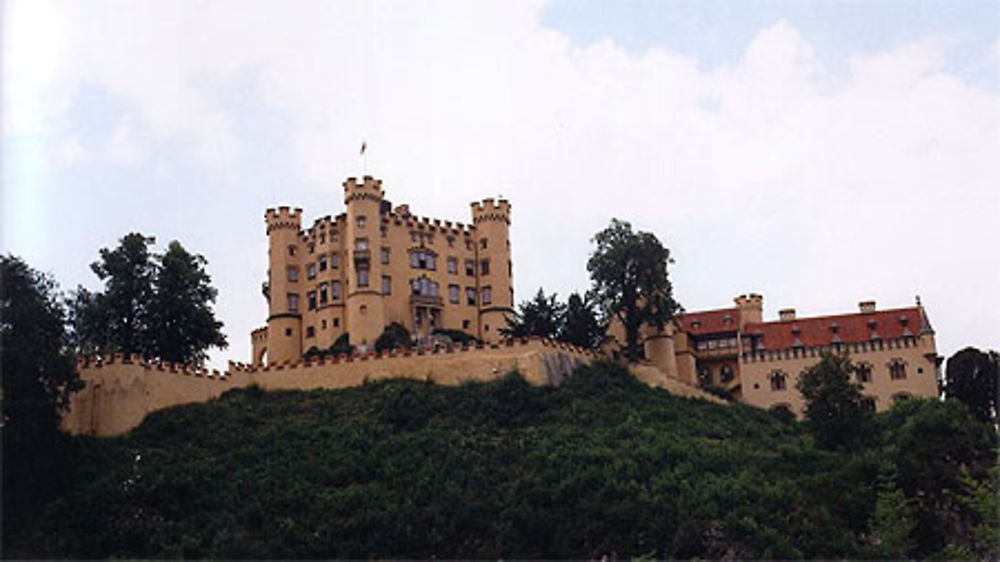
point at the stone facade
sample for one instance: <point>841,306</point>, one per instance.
<point>373,265</point>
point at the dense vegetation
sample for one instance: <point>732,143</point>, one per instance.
<point>601,465</point>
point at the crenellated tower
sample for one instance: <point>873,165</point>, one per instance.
<point>495,268</point>
<point>284,286</point>
<point>364,304</point>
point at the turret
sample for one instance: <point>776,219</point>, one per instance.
<point>285,285</point>
<point>364,308</point>
<point>494,267</point>
<point>751,309</point>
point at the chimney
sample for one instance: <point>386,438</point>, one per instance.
<point>786,314</point>
<point>866,306</point>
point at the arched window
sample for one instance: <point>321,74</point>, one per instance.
<point>779,380</point>
<point>897,369</point>
<point>864,372</point>
<point>726,373</point>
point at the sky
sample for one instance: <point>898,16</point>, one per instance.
<point>819,153</point>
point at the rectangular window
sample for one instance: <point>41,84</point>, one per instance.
<point>465,324</point>
<point>336,322</point>
<point>291,250</point>
<point>510,269</point>
<point>322,239</point>
<point>386,285</point>
<point>452,265</point>
<point>310,332</point>
<point>897,370</point>
<point>385,256</point>
<point>311,296</point>
<point>470,268</point>
<point>361,244</point>
<point>470,296</point>
<point>322,263</point>
<point>484,267</point>
<point>361,221</point>
<point>362,277</point>
<point>335,290</point>
<point>311,271</point>
<point>453,293</point>
<point>293,274</point>
<point>487,295</point>
<point>293,302</point>
<point>322,293</point>
<point>334,260</point>
<point>482,243</point>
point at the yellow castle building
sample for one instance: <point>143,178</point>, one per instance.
<point>376,264</point>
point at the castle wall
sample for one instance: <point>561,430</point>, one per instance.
<point>119,393</point>
<point>918,354</point>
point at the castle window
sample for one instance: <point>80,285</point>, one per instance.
<point>361,221</point>
<point>288,332</point>
<point>453,293</point>
<point>312,248</point>
<point>424,287</point>
<point>465,324</point>
<point>322,324</point>
<point>311,271</point>
<point>336,322</point>
<point>335,290</point>
<point>484,267</point>
<point>868,403</point>
<point>487,295</point>
<point>897,369</point>
<point>726,373</point>
<point>362,277</point>
<point>293,302</point>
<point>322,239</point>
<point>383,231</point>
<point>334,260</point>
<point>779,380</point>
<point>470,268</point>
<point>322,262</point>
<point>470,296</point>
<point>451,241</point>
<point>422,259</point>
<point>386,285</point>
<point>310,332</point>
<point>864,372</point>
<point>291,250</point>
<point>468,244</point>
<point>384,254</point>
<point>322,293</point>
<point>311,296</point>
<point>293,274</point>
<point>510,269</point>
<point>482,243</point>
<point>361,244</point>
<point>452,265</point>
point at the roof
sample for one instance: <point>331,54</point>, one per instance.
<point>710,321</point>
<point>844,328</point>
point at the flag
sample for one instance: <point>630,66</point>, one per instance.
<point>364,145</point>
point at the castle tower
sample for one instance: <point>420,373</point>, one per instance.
<point>751,309</point>
<point>285,292</point>
<point>494,267</point>
<point>364,312</point>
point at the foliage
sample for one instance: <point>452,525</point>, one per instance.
<point>457,336</point>
<point>600,466</point>
<point>628,272</point>
<point>893,523</point>
<point>38,378</point>
<point>580,325</point>
<point>154,305</point>
<point>394,336</point>
<point>541,316</point>
<point>340,346</point>
<point>973,378</point>
<point>982,499</point>
<point>834,410</point>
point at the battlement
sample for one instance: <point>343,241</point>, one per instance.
<point>283,217</point>
<point>369,188</point>
<point>490,210</point>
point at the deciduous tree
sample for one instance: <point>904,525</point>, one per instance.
<point>973,378</point>
<point>628,271</point>
<point>834,410</point>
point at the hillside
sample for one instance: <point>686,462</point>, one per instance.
<point>600,465</point>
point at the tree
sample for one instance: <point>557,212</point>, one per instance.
<point>38,377</point>
<point>580,325</point>
<point>183,324</point>
<point>158,306</point>
<point>973,378</point>
<point>834,410</point>
<point>394,336</point>
<point>892,523</point>
<point>628,271</point>
<point>540,316</point>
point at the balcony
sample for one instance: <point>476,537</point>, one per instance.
<point>426,300</point>
<point>362,256</point>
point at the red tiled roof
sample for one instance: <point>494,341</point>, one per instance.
<point>710,321</point>
<point>850,328</point>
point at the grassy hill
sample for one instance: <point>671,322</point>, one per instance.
<point>601,465</point>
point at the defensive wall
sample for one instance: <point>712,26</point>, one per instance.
<point>120,391</point>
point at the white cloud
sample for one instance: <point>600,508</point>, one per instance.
<point>770,173</point>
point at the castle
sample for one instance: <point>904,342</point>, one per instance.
<point>759,362</point>
<point>374,265</point>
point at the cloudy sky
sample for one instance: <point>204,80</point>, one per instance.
<point>820,153</point>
